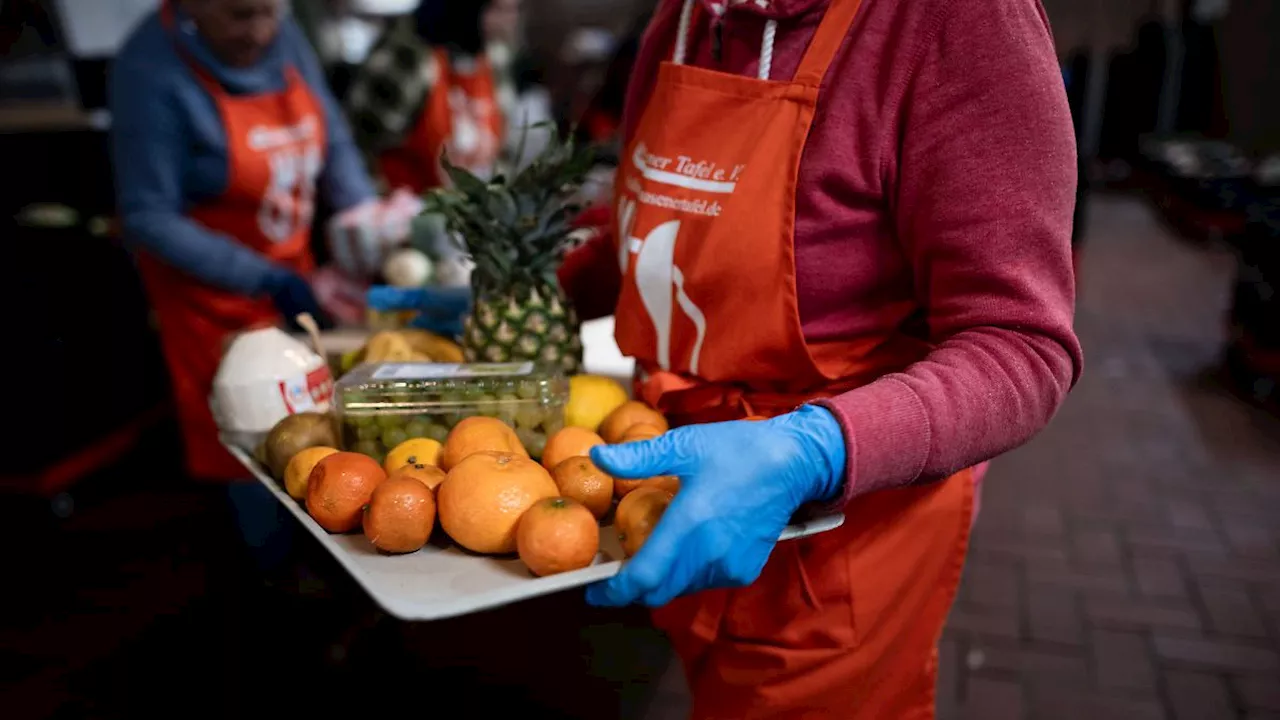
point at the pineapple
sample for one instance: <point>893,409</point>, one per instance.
<point>516,231</point>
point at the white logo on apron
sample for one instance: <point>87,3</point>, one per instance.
<point>656,277</point>
<point>472,143</point>
<point>289,202</point>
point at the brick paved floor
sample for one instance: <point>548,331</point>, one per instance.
<point>1127,562</point>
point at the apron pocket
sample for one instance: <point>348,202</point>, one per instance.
<point>802,599</point>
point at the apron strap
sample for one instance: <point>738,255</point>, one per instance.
<point>826,41</point>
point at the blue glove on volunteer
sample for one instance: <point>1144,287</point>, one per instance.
<point>291,294</point>
<point>440,310</point>
<point>740,484</point>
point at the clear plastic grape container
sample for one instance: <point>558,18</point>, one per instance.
<point>380,405</point>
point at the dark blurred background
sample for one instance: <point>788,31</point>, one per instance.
<point>124,600</point>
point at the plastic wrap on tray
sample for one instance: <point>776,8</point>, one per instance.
<point>380,405</point>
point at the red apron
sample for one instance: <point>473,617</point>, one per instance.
<point>845,624</point>
<point>275,146</point>
<point>461,117</point>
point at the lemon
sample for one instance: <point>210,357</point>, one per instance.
<point>591,399</point>
<point>414,451</point>
<point>298,471</point>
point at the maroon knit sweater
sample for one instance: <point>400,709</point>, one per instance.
<point>940,173</point>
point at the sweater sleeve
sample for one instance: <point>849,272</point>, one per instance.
<point>150,144</point>
<point>982,177</point>
<point>344,182</point>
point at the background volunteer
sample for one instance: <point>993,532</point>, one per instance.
<point>192,196</point>
<point>439,78</point>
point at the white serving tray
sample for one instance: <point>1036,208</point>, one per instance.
<point>443,582</point>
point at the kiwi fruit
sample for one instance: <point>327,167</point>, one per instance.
<point>294,434</point>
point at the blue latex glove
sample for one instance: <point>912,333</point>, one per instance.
<point>741,482</point>
<point>440,310</point>
<point>291,294</point>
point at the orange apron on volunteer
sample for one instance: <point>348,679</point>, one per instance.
<point>276,145</point>
<point>461,117</point>
<point>844,624</point>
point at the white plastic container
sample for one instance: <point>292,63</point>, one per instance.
<point>265,376</point>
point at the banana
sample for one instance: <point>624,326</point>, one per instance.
<point>434,347</point>
<point>411,345</point>
<point>388,346</point>
<point>377,346</point>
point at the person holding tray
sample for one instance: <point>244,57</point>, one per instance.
<point>841,255</point>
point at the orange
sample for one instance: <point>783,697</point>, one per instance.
<point>579,479</point>
<point>415,451</point>
<point>636,433</point>
<point>479,434</point>
<point>482,499</point>
<point>638,514</point>
<point>670,483</point>
<point>339,487</point>
<point>566,443</point>
<point>400,515</point>
<point>641,431</point>
<point>428,475</point>
<point>632,412</point>
<point>299,470</point>
<point>557,535</point>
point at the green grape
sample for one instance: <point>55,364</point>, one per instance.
<point>390,420</point>
<point>551,426</point>
<point>437,432</point>
<point>417,428</point>
<point>508,397</point>
<point>363,420</point>
<point>507,415</point>
<point>368,432</point>
<point>528,416</point>
<point>489,408</point>
<point>528,389</point>
<point>368,447</point>
<point>392,437</point>
<point>533,441</point>
<point>551,418</point>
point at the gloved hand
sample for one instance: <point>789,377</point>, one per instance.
<point>362,237</point>
<point>740,484</point>
<point>291,294</point>
<point>440,310</point>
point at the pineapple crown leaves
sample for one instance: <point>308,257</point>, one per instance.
<point>516,229</point>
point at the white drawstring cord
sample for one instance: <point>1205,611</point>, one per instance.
<point>682,36</point>
<point>766,46</point>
